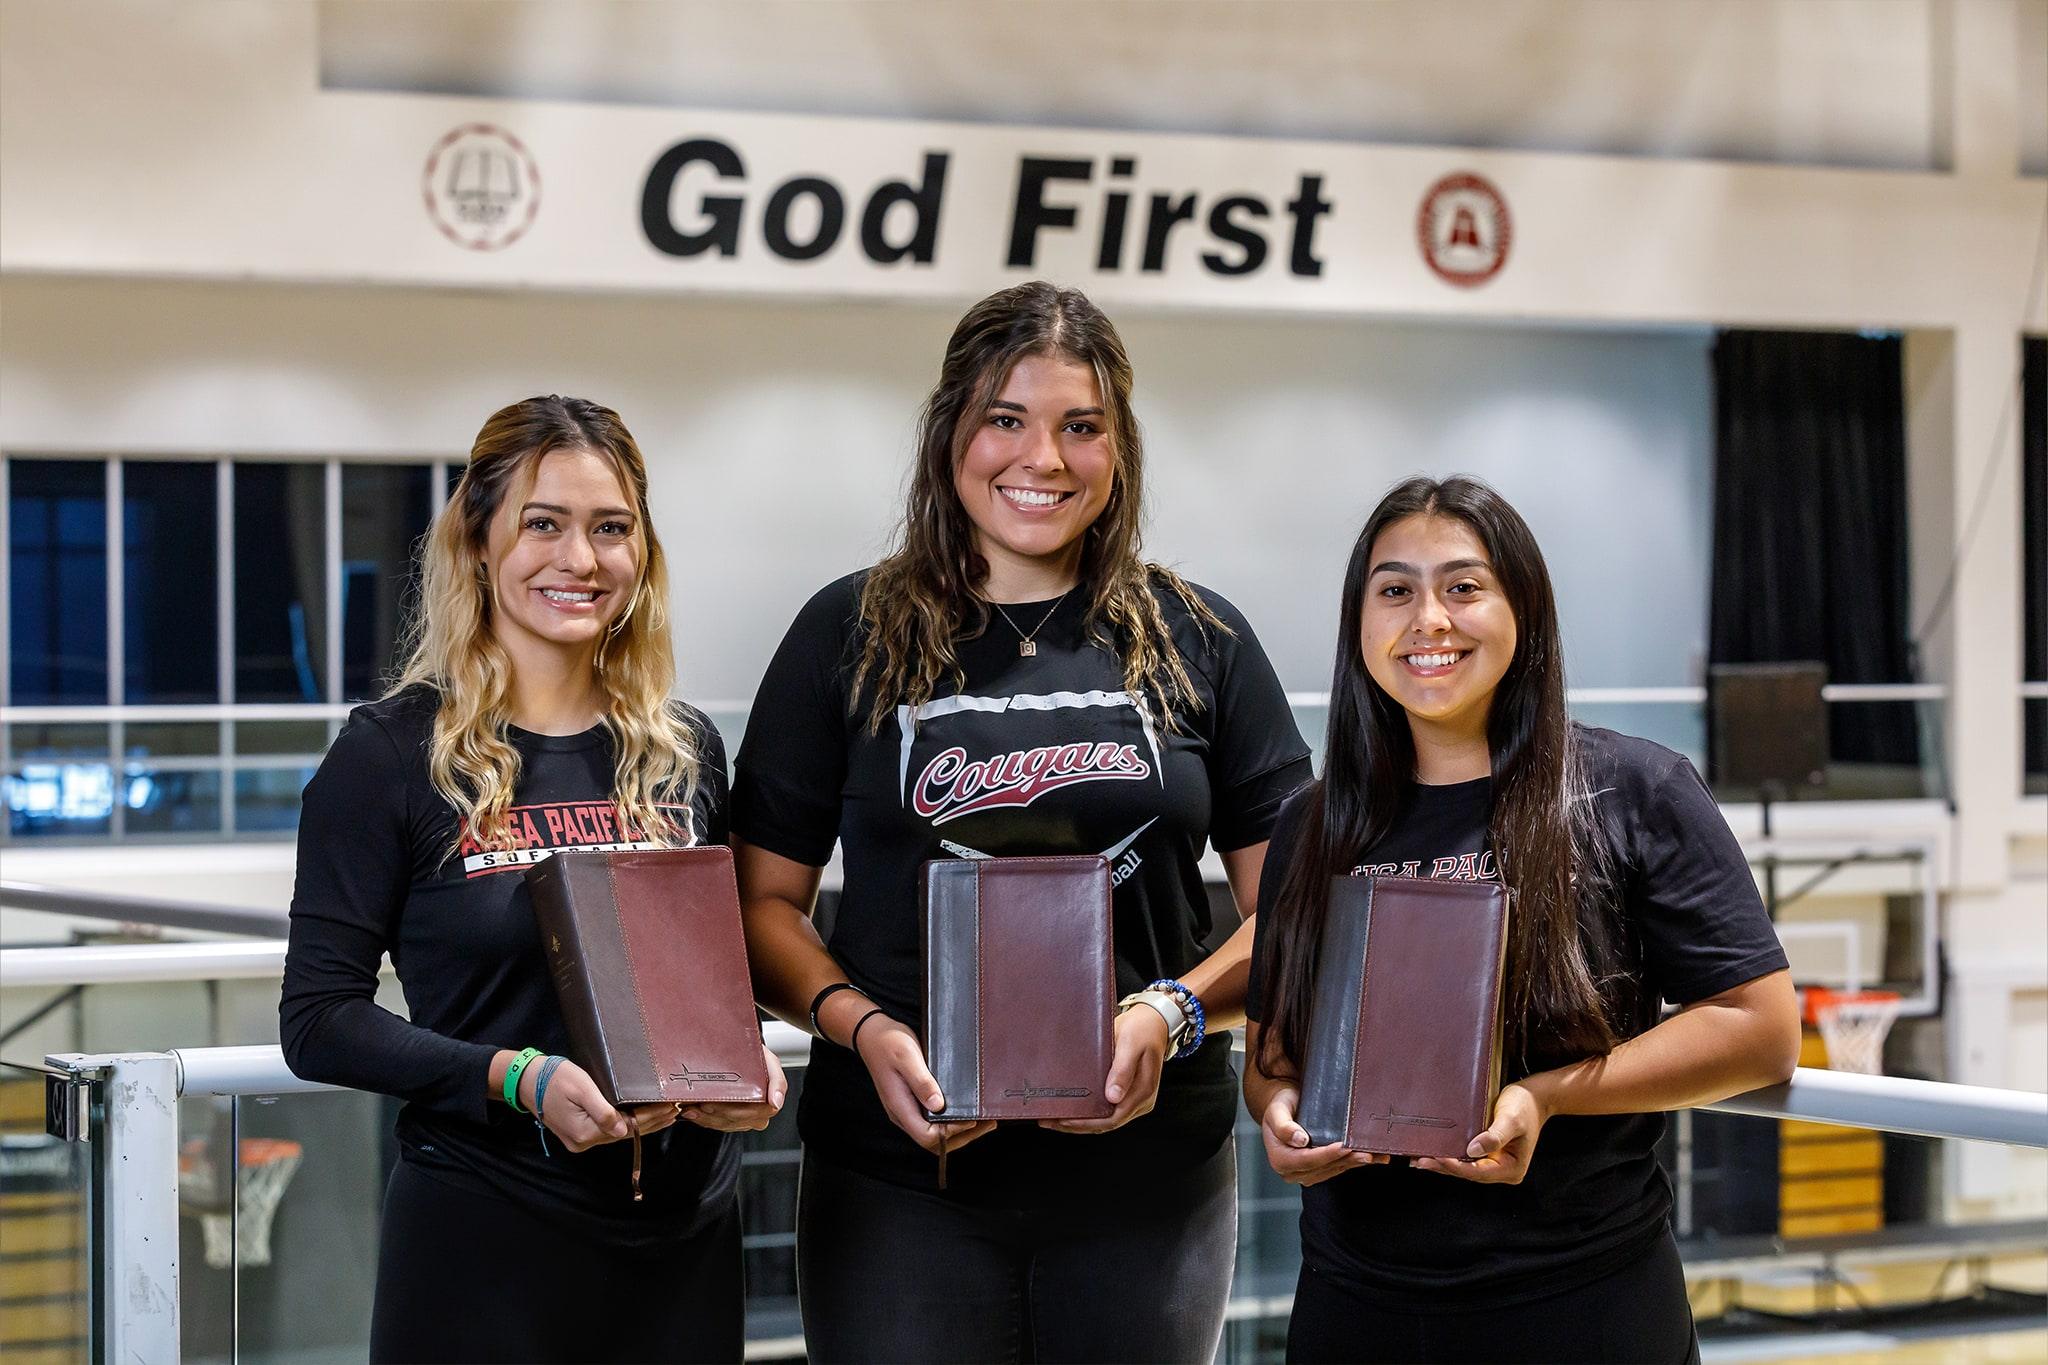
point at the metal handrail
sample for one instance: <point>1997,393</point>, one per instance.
<point>101,964</point>
<point>137,1131</point>
<point>271,923</point>
<point>171,712</point>
<point>1940,1109</point>
<point>261,1070</point>
<point>270,711</point>
<point>1696,694</point>
<point>174,712</point>
<point>202,916</point>
<point>1894,1104</point>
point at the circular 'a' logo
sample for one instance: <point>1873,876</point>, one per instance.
<point>1464,229</point>
<point>481,187</point>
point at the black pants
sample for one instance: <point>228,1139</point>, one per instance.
<point>887,1273</point>
<point>1637,1314</point>
<point>471,1277</point>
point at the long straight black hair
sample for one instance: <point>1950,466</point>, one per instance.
<point>1554,1001</point>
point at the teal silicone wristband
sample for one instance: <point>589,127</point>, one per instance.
<point>512,1075</point>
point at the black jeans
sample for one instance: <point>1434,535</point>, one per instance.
<point>471,1277</point>
<point>1638,1313</point>
<point>888,1273</point>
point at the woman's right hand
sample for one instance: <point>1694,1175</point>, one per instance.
<point>729,1116</point>
<point>577,1111</point>
<point>895,1062</point>
<point>1288,1150</point>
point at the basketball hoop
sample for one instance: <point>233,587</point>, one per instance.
<point>266,1167</point>
<point>1853,1025</point>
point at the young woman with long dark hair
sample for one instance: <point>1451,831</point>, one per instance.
<point>1014,679</point>
<point>1450,754</point>
<point>534,716</point>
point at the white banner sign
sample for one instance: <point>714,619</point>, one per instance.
<point>395,188</point>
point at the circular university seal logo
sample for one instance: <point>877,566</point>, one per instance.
<point>481,187</point>
<point>1464,229</point>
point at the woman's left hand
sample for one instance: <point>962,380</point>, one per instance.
<point>1133,1085</point>
<point>741,1117</point>
<point>1501,1154</point>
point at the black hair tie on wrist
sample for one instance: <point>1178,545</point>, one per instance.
<point>853,1043</point>
<point>820,998</point>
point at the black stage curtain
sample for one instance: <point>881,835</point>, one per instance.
<point>2034,554</point>
<point>1810,550</point>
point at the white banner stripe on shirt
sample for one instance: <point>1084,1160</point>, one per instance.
<point>906,722</point>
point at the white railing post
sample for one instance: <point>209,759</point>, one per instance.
<point>136,1187</point>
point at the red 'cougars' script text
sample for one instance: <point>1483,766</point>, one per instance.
<point>952,786</point>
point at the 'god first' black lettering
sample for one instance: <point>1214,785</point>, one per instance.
<point>1049,199</point>
<point>803,218</point>
<point>698,201</point>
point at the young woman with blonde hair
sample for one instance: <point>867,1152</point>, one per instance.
<point>533,716</point>
<point>1013,680</point>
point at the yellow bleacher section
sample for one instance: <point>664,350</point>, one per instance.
<point>43,1284</point>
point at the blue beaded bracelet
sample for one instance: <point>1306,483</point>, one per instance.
<point>540,1098</point>
<point>1192,1004</point>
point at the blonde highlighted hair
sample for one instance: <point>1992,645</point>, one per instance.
<point>453,649</point>
<point>925,594</point>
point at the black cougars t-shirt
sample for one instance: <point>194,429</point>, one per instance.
<point>1040,755</point>
<point>381,870</point>
<point>1691,926</point>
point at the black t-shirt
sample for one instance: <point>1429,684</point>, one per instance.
<point>380,870</point>
<point>1690,926</point>
<point>1040,755</point>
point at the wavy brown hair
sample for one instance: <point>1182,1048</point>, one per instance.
<point>453,649</point>
<point>1564,995</point>
<point>925,595</point>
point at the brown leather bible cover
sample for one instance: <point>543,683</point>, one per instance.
<point>1020,986</point>
<point>1404,1031</point>
<point>650,966</point>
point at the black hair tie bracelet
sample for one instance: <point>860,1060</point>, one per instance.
<point>853,1043</point>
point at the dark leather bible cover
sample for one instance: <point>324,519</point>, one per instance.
<point>1020,986</point>
<point>1404,1030</point>
<point>650,966</point>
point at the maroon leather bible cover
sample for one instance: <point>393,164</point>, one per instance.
<point>1020,986</point>
<point>1404,1031</point>
<point>650,966</point>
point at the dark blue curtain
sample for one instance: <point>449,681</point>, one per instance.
<point>1810,550</point>
<point>2034,554</point>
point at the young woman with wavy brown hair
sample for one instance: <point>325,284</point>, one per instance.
<point>533,716</point>
<point>1013,679</point>
<point>1450,754</point>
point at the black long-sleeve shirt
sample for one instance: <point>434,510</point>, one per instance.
<point>383,868</point>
